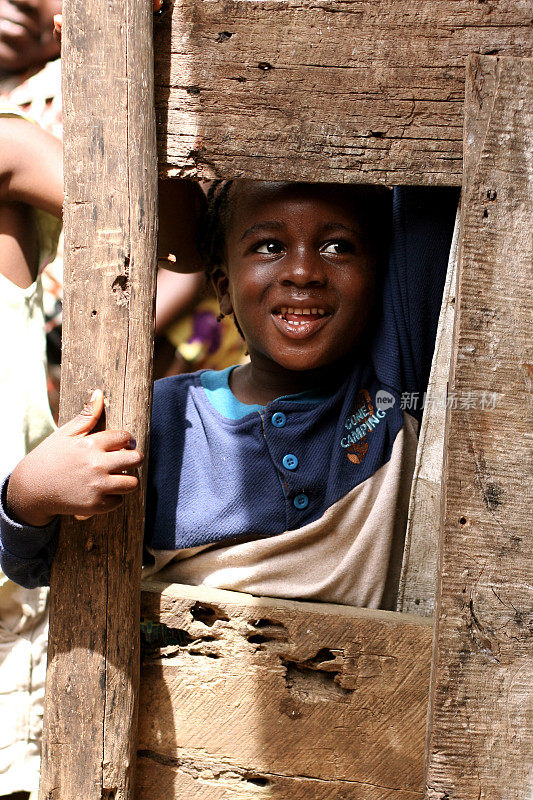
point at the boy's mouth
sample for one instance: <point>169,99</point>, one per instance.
<point>299,323</point>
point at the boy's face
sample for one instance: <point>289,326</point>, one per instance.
<point>298,276</point>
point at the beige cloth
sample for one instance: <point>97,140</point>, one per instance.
<point>26,421</point>
<point>351,555</point>
<point>23,643</point>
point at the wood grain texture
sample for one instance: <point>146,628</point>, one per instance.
<point>481,739</point>
<point>110,246</point>
<point>341,90</point>
<point>282,700</point>
<point>416,593</point>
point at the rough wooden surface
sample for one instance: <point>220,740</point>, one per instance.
<point>281,700</point>
<point>340,90</point>
<point>481,743</point>
<point>416,594</point>
<point>110,229</point>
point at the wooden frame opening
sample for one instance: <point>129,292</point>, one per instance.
<point>394,116</point>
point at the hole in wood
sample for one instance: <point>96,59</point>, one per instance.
<point>268,623</point>
<point>121,288</point>
<point>265,66</point>
<point>310,683</point>
<point>462,521</point>
<point>258,638</point>
<point>156,634</point>
<point>256,780</point>
<point>208,615</point>
<point>223,36</point>
<point>323,655</point>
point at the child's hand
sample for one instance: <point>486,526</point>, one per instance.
<point>74,471</point>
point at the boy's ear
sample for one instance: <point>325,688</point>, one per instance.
<point>220,283</point>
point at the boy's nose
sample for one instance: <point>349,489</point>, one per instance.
<point>302,269</point>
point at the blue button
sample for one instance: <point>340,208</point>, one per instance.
<point>278,419</point>
<point>301,501</point>
<point>290,461</point>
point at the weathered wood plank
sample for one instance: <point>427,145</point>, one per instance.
<point>481,738</point>
<point>271,698</point>
<point>341,90</point>
<point>110,230</point>
<point>416,594</point>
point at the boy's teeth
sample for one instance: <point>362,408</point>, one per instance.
<point>302,311</point>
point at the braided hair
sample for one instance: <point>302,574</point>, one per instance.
<point>212,243</point>
<point>213,230</point>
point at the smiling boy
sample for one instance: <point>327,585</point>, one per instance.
<point>286,476</point>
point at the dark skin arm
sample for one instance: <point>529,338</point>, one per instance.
<point>176,295</point>
<point>31,174</point>
<point>31,166</point>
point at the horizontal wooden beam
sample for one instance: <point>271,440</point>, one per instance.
<point>336,90</point>
<point>266,698</point>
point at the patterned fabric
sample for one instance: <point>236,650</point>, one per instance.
<point>205,342</point>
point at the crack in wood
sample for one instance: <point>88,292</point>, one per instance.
<point>206,772</point>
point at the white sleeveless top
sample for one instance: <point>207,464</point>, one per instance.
<point>26,420</point>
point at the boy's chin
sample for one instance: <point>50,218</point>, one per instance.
<point>301,363</point>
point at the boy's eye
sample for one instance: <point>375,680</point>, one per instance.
<point>337,247</point>
<point>269,247</point>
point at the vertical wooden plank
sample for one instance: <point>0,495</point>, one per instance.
<point>110,246</point>
<point>480,736</point>
<point>416,594</point>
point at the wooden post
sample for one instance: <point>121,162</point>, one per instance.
<point>480,735</point>
<point>110,248</point>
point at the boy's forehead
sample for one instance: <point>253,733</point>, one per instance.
<point>249,198</point>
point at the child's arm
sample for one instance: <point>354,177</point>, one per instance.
<point>74,471</point>
<point>31,165</point>
<point>423,221</point>
<point>181,203</point>
<point>177,294</point>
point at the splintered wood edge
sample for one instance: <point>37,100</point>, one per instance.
<point>204,594</point>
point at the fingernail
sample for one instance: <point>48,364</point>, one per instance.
<point>133,443</point>
<point>93,396</point>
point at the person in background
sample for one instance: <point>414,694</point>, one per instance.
<point>30,78</point>
<point>31,196</point>
<point>189,333</point>
<point>30,81</point>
